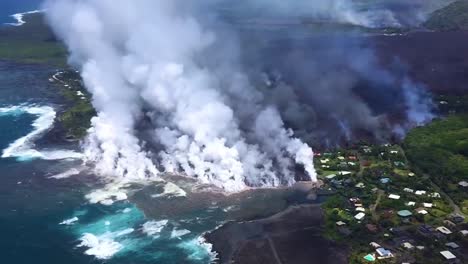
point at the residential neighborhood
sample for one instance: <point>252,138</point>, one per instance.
<point>387,211</point>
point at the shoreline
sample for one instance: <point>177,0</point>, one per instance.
<point>279,238</point>
<point>19,17</point>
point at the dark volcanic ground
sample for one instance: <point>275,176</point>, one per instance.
<point>290,237</point>
<point>437,59</point>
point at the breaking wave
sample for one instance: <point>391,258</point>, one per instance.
<point>23,148</point>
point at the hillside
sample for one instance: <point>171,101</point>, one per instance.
<point>452,17</point>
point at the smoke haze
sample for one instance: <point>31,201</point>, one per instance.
<point>178,89</point>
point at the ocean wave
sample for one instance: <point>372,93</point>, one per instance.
<point>176,233</point>
<point>199,249</point>
<point>19,17</point>
<point>102,247</point>
<point>70,221</point>
<point>153,228</point>
<point>22,148</point>
<point>66,174</point>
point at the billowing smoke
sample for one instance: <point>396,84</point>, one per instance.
<point>365,13</point>
<point>179,88</point>
<point>150,60</point>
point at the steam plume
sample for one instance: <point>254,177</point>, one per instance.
<point>176,92</point>
<point>146,57</point>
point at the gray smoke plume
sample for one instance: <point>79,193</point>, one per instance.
<point>179,88</point>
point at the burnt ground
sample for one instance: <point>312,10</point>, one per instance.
<point>290,237</point>
<point>437,59</point>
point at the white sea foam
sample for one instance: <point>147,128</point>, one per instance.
<point>70,221</point>
<point>102,247</point>
<point>199,249</point>
<point>171,190</point>
<point>153,228</point>
<point>176,233</point>
<point>107,196</point>
<point>22,148</point>
<point>66,174</point>
<point>19,17</point>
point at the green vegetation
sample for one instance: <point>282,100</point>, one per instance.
<point>440,149</point>
<point>76,119</point>
<point>452,17</point>
<point>32,42</point>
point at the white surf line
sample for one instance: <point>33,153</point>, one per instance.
<point>22,148</point>
<point>19,17</point>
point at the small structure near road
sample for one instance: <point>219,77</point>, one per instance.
<point>444,230</point>
<point>448,255</point>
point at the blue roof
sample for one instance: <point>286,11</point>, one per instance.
<point>404,213</point>
<point>385,180</point>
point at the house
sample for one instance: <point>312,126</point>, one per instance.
<point>444,230</point>
<point>323,161</point>
<point>457,218</point>
<point>435,195</point>
<point>374,245</point>
<point>385,180</point>
<point>404,213</point>
<point>449,223</point>
<point>360,185</point>
<point>448,255</point>
<point>383,253</point>
<point>411,203</point>
<point>394,196</point>
<point>420,247</point>
<point>360,209</point>
<point>411,174</point>
<point>428,205</point>
<point>393,151</point>
<point>344,173</point>
<point>463,184</point>
<point>331,176</point>
<point>420,192</point>
<point>341,158</point>
<point>464,232</point>
<point>452,245</point>
<point>408,190</point>
<point>340,223</point>
<point>421,211</point>
<point>360,216</point>
<point>407,245</point>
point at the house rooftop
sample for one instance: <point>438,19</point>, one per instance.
<point>420,192</point>
<point>394,196</point>
<point>340,223</point>
<point>428,205</point>
<point>410,203</point>
<point>448,255</point>
<point>384,253</point>
<point>452,245</point>
<point>404,213</point>
<point>421,211</point>
<point>360,216</point>
<point>444,230</point>
<point>463,184</point>
<point>464,232</point>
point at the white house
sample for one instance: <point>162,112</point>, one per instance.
<point>420,192</point>
<point>360,209</point>
<point>408,190</point>
<point>375,245</point>
<point>444,230</point>
<point>422,211</point>
<point>411,203</point>
<point>394,196</point>
<point>360,216</point>
<point>383,253</point>
<point>448,255</point>
<point>428,205</point>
